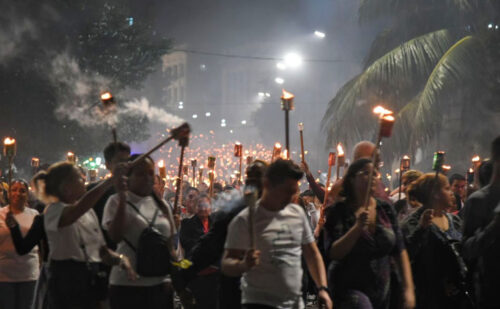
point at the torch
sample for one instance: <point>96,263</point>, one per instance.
<point>9,151</point>
<point>183,142</point>
<point>404,166</point>
<point>331,163</point>
<point>446,169</point>
<point>276,152</point>
<point>92,175</point>
<point>386,122</point>
<point>162,169</point>
<point>249,160</point>
<point>70,157</point>
<point>200,173</point>
<point>287,106</point>
<point>35,163</point>
<point>301,132</point>
<point>470,176</point>
<point>476,162</point>
<point>341,158</point>
<point>108,101</point>
<point>211,176</point>
<point>238,153</point>
<point>193,165</point>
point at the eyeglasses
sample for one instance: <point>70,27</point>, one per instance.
<point>363,173</point>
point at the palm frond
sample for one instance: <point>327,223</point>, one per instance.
<point>395,77</point>
<point>459,69</point>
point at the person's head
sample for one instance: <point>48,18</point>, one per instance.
<point>410,176</point>
<point>190,198</point>
<point>18,194</point>
<point>255,174</point>
<point>485,172</point>
<point>458,185</point>
<point>355,182</point>
<point>307,196</point>
<point>170,198</point>
<point>37,184</point>
<point>203,206</point>
<point>433,193</point>
<point>217,188</point>
<point>141,176</point>
<point>159,185</point>
<point>203,187</point>
<point>364,150</point>
<point>116,153</point>
<point>281,182</point>
<point>63,181</point>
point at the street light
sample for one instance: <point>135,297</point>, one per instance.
<point>281,66</point>
<point>319,34</point>
<point>293,60</point>
<point>279,80</point>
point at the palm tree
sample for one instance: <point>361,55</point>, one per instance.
<point>436,65</point>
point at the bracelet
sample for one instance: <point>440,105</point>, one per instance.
<point>323,288</point>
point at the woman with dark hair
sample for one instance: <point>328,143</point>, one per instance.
<point>365,247</point>
<point>126,215</point>
<point>18,273</point>
<point>76,243</point>
<point>431,235</point>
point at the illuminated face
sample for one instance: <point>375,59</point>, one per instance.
<point>141,179</point>
<point>459,187</point>
<point>447,196</point>
<point>190,201</point>
<point>362,176</point>
<point>18,194</point>
<point>284,193</point>
<point>74,186</point>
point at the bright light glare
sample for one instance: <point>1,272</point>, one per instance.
<point>180,107</point>
<point>490,26</point>
<point>261,94</point>
<point>268,94</point>
<point>243,122</point>
<point>319,34</point>
<point>223,120</point>
<point>293,60</point>
<point>281,66</point>
<point>223,124</point>
<point>279,80</point>
<point>208,114</point>
<point>195,116</point>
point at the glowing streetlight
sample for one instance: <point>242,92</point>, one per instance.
<point>319,34</point>
<point>292,60</point>
<point>195,116</point>
<point>281,66</point>
<point>279,80</point>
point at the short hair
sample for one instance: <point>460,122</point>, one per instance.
<point>218,186</point>
<point>485,172</point>
<point>495,149</point>
<point>135,156</point>
<point>456,177</point>
<point>281,170</point>
<point>55,176</point>
<point>307,193</point>
<point>188,189</point>
<point>113,148</point>
<point>412,175</point>
<point>423,188</point>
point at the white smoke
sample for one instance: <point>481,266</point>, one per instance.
<point>13,34</point>
<point>78,98</point>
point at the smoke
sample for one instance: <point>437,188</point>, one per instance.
<point>13,33</point>
<point>78,98</point>
<point>154,114</point>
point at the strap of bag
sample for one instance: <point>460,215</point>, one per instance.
<point>150,224</point>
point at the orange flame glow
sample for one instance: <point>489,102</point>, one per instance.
<point>340,150</point>
<point>287,95</point>
<point>9,141</point>
<point>380,110</point>
<point>106,95</point>
<point>277,145</point>
<point>70,154</point>
<point>161,163</point>
<point>405,157</point>
<point>446,167</point>
<point>476,159</point>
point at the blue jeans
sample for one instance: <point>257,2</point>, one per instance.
<point>16,295</point>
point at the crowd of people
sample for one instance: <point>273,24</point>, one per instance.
<point>132,241</point>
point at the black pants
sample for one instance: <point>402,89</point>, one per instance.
<point>133,297</point>
<point>69,286</point>
<point>205,291</point>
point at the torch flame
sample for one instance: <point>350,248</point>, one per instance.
<point>476,159</point>
<point>287,95</point>
<point>340,150</point>
<point>388,117</point>
<point>446,167</point>
<point>70,154</point>
<point>161,163</point>
<point>285,154</point>
<point>9,141</point>
<point>405,157</point>
<point>277,145</point>
<point>301,126</point>
<point>471,170</point>
<point>380,110</point>
<point>106,95</point>
<point>237,143</point>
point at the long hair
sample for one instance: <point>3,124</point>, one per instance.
<point>348,191</point>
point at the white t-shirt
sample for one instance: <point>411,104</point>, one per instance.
<point>134,225</point>
<point>277,280</point>
<point>15,267</point>
<point>65,243</point>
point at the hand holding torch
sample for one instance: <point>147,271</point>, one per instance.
<point>211,176</point>
<point>162,169</point>
<point>10,151</point>
<point>437,166</point>
<point>404,166</point>
<point>70,157</point>
<point>276,152</point>
<point>341,158</point>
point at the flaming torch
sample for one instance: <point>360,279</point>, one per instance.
<point>276,152</point>
<point>341,158</point>
<point>386,122</point>
<point>301,132</point>
<point>108,101</point>
<point>35,163</point>
<point>404,166</point>
<point>238,153</point>
<point>183,142</point>
<point>9,151</point>
<point>331,163</point>
<point>200,173</point>
<point>162,169</point>
<point>287,106</point>
<point>211,175</point>
<point>194,162</point>
<point>446,169</point>
<point>70,157</point>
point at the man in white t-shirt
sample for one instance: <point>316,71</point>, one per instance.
<point>272,273</point>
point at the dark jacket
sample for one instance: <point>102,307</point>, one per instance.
<point>439,271</point>
<point>35,236</point>
<point>190,233</point>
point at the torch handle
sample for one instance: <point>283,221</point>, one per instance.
<point>144,155</point>
<point>211,179</point>
<point>372,171</point>
<point>11,159</point>
<point>179,182</point>
<point>287,134</point>
<point>400,182</point>
<point>302,146</point>
<point>327,190</point>
<point>239,177</point>
<point>194,176</point>
<point>115,137</point>
<point>338,171</point>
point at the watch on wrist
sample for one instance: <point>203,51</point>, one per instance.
<point>323,288</point>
